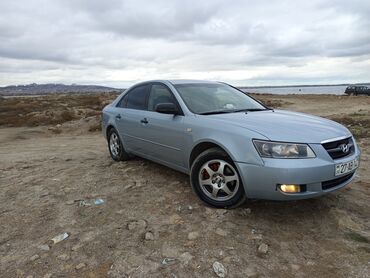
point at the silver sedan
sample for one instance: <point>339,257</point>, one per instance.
<point>231,145</point>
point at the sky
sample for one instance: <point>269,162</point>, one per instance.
<point>245,43</point>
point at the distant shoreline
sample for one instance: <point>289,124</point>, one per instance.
<point>302,86</point>
<point>50,89</point>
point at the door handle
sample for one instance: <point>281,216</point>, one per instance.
<point>118,117</point>
<point>144,121</point>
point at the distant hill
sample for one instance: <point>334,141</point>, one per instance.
<point>43,89</point>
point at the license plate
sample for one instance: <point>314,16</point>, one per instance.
<point>344,168</point>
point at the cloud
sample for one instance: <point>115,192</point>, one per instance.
<point>118,42</point>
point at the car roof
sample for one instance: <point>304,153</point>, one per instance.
<point>190,81</point>
<point>172,82</point>
<point>176,82</point>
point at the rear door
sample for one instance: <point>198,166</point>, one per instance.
<point>128,119</point>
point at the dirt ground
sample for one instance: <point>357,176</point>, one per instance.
<point>151,224</point>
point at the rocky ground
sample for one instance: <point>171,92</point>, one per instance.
<point>149,223</point>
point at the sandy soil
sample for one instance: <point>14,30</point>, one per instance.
<point>150,213</point>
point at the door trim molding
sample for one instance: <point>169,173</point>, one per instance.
<point>152,142</point>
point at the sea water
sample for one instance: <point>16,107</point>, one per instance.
<point>299,90</point>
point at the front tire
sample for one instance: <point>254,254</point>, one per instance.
<point>115,147</point>
<point>216,180</point>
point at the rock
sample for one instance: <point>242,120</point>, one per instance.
<point>48,275</point>
<point>44,247</point>
<point>251,272</point>
<point>175,219</point>
<point>221,232</point>
<point>295,267</point>
<point>58,126</point>
<point>262,249</point>
<point>44,194</point>
<point>80,266</point>
<point>193,235</point>
<point>190,243</point>
<point>186,257</point>
<point>138,184</point>
<point>76,247</point>
<point>149,236</point>
<point>219,269</point>
<point>254,236</point>
<point>63,257</point>
<point>221,211</point>
<point>137,224</point>
<point>174,183</point>
<point>245,211</point>
<point>35,257</point>
<point>310,263</point>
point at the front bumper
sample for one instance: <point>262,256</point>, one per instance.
<point>317,174</point>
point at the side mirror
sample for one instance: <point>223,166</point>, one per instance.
<point>167,108</point>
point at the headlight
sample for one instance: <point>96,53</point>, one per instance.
<point>283,150</point>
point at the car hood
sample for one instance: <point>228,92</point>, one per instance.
<point>280,125</point>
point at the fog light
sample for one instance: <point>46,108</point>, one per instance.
<point>290,188</point>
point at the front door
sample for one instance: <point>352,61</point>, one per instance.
<point>163,133</point>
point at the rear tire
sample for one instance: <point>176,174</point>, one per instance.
<point>216,180</point>
<point>115,146</point>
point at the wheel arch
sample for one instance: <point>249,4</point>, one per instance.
<point>108,129</point>
<point>200,147</point>
<point>203,146</point>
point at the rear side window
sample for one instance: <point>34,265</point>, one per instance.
<point>136,98</point>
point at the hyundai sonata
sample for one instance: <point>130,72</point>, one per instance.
<point>231,145</point>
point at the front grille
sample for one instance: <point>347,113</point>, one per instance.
<point>334,148</point>
<point>335,182</point>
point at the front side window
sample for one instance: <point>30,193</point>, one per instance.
<point>136,98</point>
<point>209,98</point>
<point>159,94</point>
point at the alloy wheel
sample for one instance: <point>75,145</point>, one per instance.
<point>219,180</point>
<point>114,144</point>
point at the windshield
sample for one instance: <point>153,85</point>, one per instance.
<point>210,98</point>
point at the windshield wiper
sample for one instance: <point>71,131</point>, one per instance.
<point>252,110</point>
<point>216,112</point>
<point>233,111</point>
